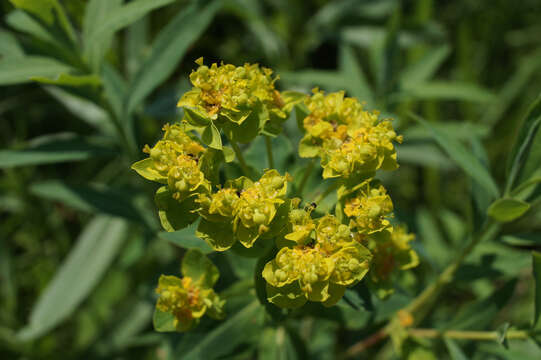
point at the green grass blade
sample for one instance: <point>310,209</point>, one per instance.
<point>536,264</point>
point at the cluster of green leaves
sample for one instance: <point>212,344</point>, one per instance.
<point>86,83</point>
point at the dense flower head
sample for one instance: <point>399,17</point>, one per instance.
<point>392,253</point>
<point>350,141</point>
<point>232,92</point>
<point>187,299</point>
<point>369,208</point>
<point>311,259</point>
<point>318,270</point>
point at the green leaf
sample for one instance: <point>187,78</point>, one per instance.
<point>227,336</point>
<point>163,321</point>
<point>53,149</point>
<point>90,198</point>
<point>95,12</point>
<point>174,215</point>
<point>197,266</point>
<point>536,265</point>
<point>357,84</point>
<point>115,88</point>
<point>122,17</point>
<point>84,109</point>
<point>481,313</point>
<point>425,68</point>
<point>186,239</point>
<point>218,235</point>
<point>69,80</point>
<point>9,46</point>
<point>524,142</point>
<point>87,262</point>
<point>168,49</point>
<point>502,334</point>
<point>40,8</point>
<point>25,23</point>
<point>211,137</point>
<point>441,90</point>
<point>21,70</point>
<point>507,209</point>
<point>458,152</point>
<point>455,351</point>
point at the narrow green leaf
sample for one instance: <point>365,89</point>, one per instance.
<point>168,49</point>
<point>25,23</point>
<point>507,209</point>
<point>58,149</point>
<point>95,12</point>
<point>524,142</point>
<point>9,46</point>
<point>115,88</point>
<point>447,90</point>
<point>357,85</point>
<point>21,70</point>
<point>85,265</point>
<point>69,80</point>
<point>90,198</point>
<point>122,17</point>
<point>42,9</point>
<point>186,239</point>
<point>328,80</point>
<point>224,338</point>
<point>458,152</point>
<point>536,264</point>
<point>425,68</point>
<point>455,352</point>
<point>83,109</point>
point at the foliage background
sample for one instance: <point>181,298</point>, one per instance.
<point>78,226</point>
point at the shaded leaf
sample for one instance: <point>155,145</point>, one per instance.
<point>169,48</point>
<point>507,209</point>
<point>85,265</point>
<point>21,70</point>
<point>186,239</point>
<point>458,152</point>
<point>198,267</point>
<point>54,150</point>
<point>536,265</point>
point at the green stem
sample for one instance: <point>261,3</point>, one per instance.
<point>420,307</point>
<point>327,191</point>
<point>242,162</point>
<point>268,144</point>
<point>468,335</point>
<point>306,176</point>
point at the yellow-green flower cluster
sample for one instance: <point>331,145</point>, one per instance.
<point>232,91</point>
<point>245,210</point>
<point>240,100</point>
<point>350,141</point>
<point>392,253</point>
<point>318,265</point>
<point>369,208</point>
<point>183,301</point>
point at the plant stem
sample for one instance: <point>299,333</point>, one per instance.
<point>468,335</point>
<point>306,176</point>
<point>242,162</point>
<point>420,307</point>
<point>268,144</point>
<point>327,191</point>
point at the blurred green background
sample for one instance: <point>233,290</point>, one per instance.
<point>81,248</point>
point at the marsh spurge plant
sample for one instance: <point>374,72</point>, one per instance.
<point>310,258</point>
